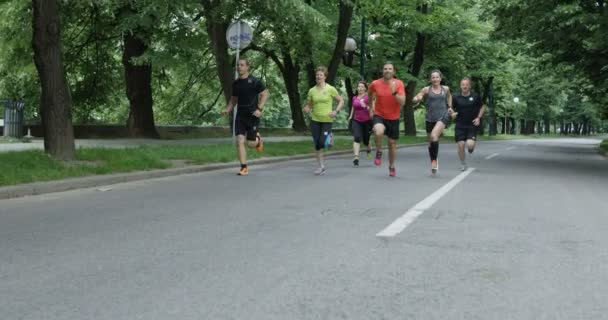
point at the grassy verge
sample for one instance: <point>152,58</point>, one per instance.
<point>604,147</point>
<point>31,166</point>
<point>11,140</point>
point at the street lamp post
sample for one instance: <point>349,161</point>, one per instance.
<point>362,56</point>
<point>349,48</point>
<point>516,101</point>
<point>350,45</point>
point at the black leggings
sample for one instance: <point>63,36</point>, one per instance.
<point>362,131</point>
<point>319,131</point>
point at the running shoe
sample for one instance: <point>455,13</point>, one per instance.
<point>369,154</point>
<point>320,171</point>
<point>260,146</point>
<point>356,162</point>
<point>243,172</point>
<point>391,172</point>
<point>378,160</point>
<point>434,166</point>
<point>463,166</point>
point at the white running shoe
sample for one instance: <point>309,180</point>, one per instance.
<point>320,171</point>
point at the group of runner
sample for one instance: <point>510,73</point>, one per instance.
<point>376,111</point>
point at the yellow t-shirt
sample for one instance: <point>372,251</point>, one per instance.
<point>322,102</point>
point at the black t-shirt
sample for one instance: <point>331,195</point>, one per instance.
<point>467,107</point>
<point>247,91</point>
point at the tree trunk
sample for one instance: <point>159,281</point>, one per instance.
<point>530,125</point>
<point>504,125</point>
<point>585,129</point>
<point>346,15</point>
<point>488,97</point>
<point>216,30</point>
<point>512,127</point>
<point>310,74</point>
<point>56,101</point>
<point>409,120</point>
<point>138,80</point>
<point>555,126</point>
<point>522,126</point>
<point>291,76</point>
<point>351,93</point>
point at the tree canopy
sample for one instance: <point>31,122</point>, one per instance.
<point>142,63</point>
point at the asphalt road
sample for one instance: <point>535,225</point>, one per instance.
<point>520,236</point>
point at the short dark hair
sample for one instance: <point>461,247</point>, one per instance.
<point>246,61</point>
<point>391,63</point>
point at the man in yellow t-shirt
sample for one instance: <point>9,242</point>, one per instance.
<point>320,102</point>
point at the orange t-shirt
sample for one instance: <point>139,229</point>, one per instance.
<point>387,106</point>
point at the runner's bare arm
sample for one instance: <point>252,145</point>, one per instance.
<point>400,99</point>
<point>477,120</point>
<point>233,101</point>
<point>449,97</point>
<point>308,106</point>
<point>418,98</point>
<point>372,97</point>
<point>263,98</point>
<point>339,107</point>
<point>340,103</point>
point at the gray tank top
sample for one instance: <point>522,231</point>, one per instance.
<point>436,105</point>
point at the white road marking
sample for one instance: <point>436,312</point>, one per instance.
<point>491,156</point>
<point>511,148</point>
<point>410,215</point>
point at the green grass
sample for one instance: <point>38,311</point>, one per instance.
<point>225,132</point>
<point>11,140</point>
<point>31,166</point>
<point>604,147</point>
<point>519,136</point>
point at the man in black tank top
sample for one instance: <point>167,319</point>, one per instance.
<point>469,109</point>
<point>245,92</point>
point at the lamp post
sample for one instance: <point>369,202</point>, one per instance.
<point>349,48</point>
<point>362,57</point>
<point>516,101</point>
<point>350,45</point>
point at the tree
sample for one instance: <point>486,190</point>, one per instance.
<point>567,32</point>
<point>279,44</point>
<point>138,74</point>
<point>216,23</point>
<point>55,102</point>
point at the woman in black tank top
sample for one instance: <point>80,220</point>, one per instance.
<point>438,113</point>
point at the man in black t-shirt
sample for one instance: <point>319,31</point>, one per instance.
<point>245,93</point>
<point>468,109</point>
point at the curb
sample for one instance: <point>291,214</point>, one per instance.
<point>38,188</point>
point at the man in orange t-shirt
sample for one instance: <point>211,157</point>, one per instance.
<point>388,95</point>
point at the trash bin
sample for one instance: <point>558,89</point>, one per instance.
<point>13,118</point>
